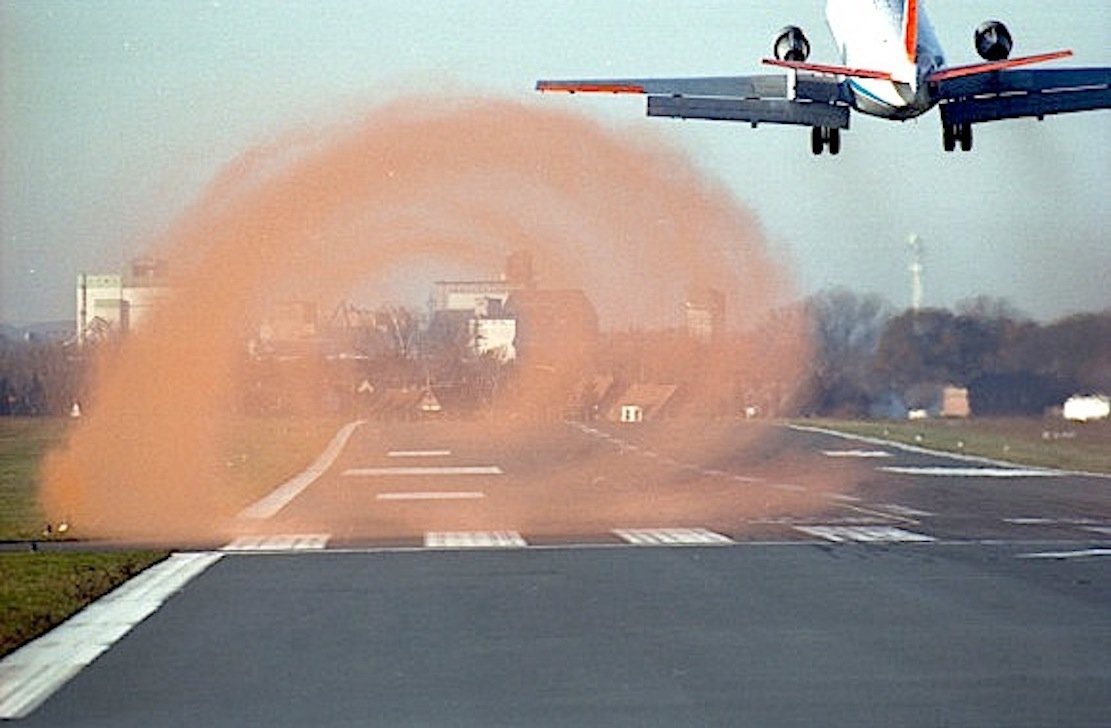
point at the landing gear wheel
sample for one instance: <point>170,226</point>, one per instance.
<point>825,136</point>
<point>953,133</point>
<point>965,134</point>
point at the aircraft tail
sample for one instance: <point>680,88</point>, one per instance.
<point>910,30</point>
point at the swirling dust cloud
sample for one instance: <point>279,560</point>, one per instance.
<point>417,191</point>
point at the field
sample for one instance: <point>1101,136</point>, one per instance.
<point>23,442</point>
<point>41,589</point>
<point>1051,443</point>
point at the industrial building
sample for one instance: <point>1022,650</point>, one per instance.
<point>704,315</point>
<point>113,304</point>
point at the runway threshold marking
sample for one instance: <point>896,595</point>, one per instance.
<point>279,542</point>
<point>432,495</point>
<point>418,453</point>
<point>865,534</point>
<point>473,539</point>
<point>424,471</point>
<point>35,671</point>
<point>672,537</point>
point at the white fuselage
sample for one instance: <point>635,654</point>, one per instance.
<point>870,35</point>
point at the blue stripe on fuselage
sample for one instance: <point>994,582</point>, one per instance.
<point>858,89</point>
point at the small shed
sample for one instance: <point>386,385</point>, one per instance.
<point>632,413</point>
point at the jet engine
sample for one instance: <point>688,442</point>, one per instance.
<point>993,41</point>
<point>791,44</point>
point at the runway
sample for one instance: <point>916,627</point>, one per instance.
<point>734,575</point>
<point>579,484</point>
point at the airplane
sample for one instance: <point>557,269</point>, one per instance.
<point>892,67</point>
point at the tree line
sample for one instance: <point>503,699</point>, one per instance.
<point>871,360</point>
<point>867,359</point>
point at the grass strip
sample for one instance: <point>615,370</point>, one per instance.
<point>1059,444</point>
<point>23,442</point>
<point>40,590</point>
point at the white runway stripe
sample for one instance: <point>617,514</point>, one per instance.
<point>1084,553</point>
<point>899,510</point>
<point>672,536</point>
<point>418,453</point>
<point>35,671</point>
<point>975,472</point>
<point>865,534</point>
<point>446,470</point>
<point>432,495</point>
<point>279,542</point>
<point>473,539</point>
<point>280,497</point>
<point>856,453</point>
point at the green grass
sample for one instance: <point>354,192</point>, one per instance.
<point>23,442</point>
<point>259,454</point>
<point>41,590</point>
<point>1050,443</point>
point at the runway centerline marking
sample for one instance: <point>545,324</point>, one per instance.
<point>428,495</point>
<point>418,453</point>
<point>424,471</point>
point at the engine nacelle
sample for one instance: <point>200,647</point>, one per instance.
<point>791,44</point>
<point>993,41</point>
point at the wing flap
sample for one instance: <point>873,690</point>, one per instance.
<point>978,110</point>
<point>1025,93</point>
<point>1025,81</point>
<point>750,87</point>
<point>753,111</point>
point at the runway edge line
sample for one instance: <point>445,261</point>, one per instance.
<point>36,670</point>
<point>280,497</point>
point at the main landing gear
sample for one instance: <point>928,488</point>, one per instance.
<point>824,136</point>
<point>952,133</point>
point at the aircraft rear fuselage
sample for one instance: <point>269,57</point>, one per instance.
<point>879,40</point>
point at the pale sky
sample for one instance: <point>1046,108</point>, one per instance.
<point>115,114</point>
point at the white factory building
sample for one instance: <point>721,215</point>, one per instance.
<point>113,303</point>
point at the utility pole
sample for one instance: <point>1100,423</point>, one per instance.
<point>916,270</point>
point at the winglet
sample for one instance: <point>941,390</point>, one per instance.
<point>910,29</point>
<point>588,87</point>
<point>977,68</point>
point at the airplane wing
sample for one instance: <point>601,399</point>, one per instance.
<point>815,100</point>
<point>1011,94</point>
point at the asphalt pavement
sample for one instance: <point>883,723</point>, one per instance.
<point>608,576</point>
